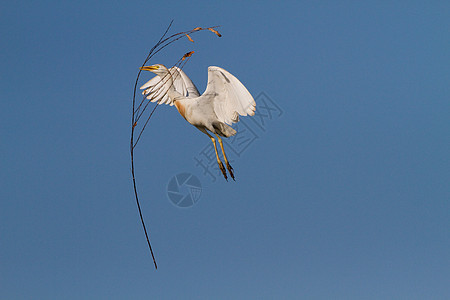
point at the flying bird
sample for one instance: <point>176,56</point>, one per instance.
<point>224,100</point>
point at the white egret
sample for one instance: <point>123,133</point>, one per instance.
<point>224,99</point>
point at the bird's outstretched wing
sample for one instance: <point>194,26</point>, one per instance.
<point>229,96</point>
<point>156,88</point>
<point>192,91</point>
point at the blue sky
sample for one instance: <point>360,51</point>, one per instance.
<point>344,195</point>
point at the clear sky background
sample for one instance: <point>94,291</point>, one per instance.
<point>343,196</point>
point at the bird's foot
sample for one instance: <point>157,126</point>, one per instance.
<point>222,168</point>
<point>230,169</point>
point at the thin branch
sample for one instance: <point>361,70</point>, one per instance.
<point>137,113</point>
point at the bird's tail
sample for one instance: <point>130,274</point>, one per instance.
<point>224,130</point>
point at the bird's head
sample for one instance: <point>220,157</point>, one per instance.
<point>158,69</point>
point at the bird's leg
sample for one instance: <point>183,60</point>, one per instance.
<point>222,168</point>
<point>230,169</point>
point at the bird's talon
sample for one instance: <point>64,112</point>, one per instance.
<point>230,169</point>
<point>222,168</point>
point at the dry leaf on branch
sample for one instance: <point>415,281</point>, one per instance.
<point>215,31</point>
<point>187,55</point>
<point>189,37</point>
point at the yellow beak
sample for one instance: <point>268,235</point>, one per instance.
<point>149,68</point>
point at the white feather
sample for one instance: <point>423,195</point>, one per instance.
<point>229,96</point>
<point>156,88</point>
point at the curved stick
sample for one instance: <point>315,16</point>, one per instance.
<point>136,115</point>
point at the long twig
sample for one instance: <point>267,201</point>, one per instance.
<point>133,125</point>
<point>137,113</point>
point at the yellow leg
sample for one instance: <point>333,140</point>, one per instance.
<point>230,169</point>
<point>222,168</point>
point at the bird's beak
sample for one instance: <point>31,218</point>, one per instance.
<point>149,68</point>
